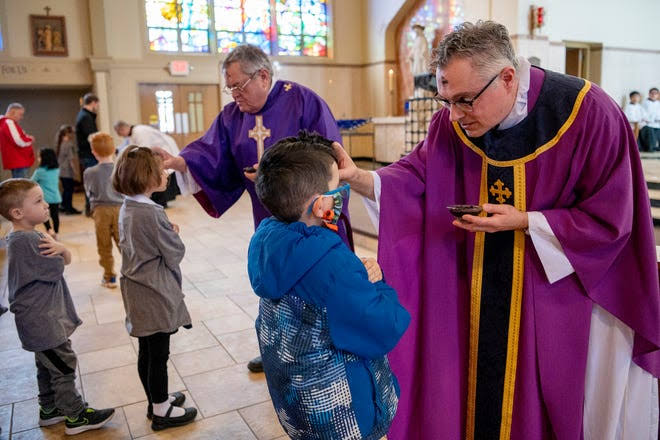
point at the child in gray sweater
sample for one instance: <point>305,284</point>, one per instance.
<point>150,280</point>
<point>43,309</point>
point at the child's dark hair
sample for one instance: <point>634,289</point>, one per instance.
<point>633,93</point>
<point>59,138</point>
<point>48,159</point>
<point>137,170</point>
<point>292,171</point>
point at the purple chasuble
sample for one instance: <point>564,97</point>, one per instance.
<point>576,161</point>
<point>216,160</point>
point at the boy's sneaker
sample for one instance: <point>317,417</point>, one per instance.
<point>110,283</point>
<point>88,419</point>
<point>48,417</point>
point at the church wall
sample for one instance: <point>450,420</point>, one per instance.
<point>630,57</point>
<point>17,64</point>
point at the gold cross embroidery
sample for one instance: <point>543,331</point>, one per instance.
<point>499,190</point>
<point>259,133</point>
<point>287,87</point>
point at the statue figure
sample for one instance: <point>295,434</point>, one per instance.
<point>419,55</point>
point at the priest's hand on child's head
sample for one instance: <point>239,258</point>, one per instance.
<point>347,168</point>
<point>501,218</point>
<point>176,163</point>
<point>373,269</point>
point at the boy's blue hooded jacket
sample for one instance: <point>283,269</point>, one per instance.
<point>324,330</point>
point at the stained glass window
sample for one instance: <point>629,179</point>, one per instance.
<point>279,27</point>
<point>165,102</point>
<point>178,25</point>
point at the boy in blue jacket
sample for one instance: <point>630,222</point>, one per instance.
<point>324,328</point>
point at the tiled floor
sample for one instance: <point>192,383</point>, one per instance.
<point>206,362</point>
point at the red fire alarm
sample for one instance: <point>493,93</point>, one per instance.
<point>536,18</point>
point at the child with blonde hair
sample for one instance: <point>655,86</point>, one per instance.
<point>150,281</point>
<point>104,203</point>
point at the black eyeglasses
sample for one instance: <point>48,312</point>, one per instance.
<point>464,104</point>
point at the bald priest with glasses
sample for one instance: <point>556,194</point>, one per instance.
<point>538,317</point>
<point>213,167</point>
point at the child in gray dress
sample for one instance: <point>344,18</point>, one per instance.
<point>43,309</point>
<point>150,280</point>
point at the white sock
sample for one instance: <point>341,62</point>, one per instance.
<point>160,409</point>
<point>171,399</point>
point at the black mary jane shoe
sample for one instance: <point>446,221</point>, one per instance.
<point>179,398</point>
<point>159,423</point>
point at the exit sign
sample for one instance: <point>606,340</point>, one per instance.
<point>179,68</point>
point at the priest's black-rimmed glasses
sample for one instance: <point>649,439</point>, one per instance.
<point>464,104</point>
<point>230,90</point>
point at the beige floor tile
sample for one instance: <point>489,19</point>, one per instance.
<point>229,324</point>
<point>121,386</point>
<point>8,336</point>
<point>214,288</point>
<point>26,415</point>
<point>211,275</point>
<point>5,421</point>
<point>83,304</point>
<point>99,337</point>
<point>226,389</point>
<point>263,421</point>
<point>16,358</point>
<point>199,361</point>
<point>17,384</point>
<point>94,361</point>
<point>228,426</point>
<point>136,416</point>
<point>203,309</point>
<point>88,319</point>
<point>193,339</point>
<point>110,312</point>
<point>242,346</point>
<point>115,429</point>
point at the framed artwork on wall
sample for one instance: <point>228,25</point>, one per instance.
<point>48,35</point>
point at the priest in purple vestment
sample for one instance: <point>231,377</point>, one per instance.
<point>540,317</point>
<point>263,112</point>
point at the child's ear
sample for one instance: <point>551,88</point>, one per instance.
<point>16,213</point>
<point>321,205</point>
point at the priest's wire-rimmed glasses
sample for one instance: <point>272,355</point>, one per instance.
<point>239,89</point>
<point>463,104</point>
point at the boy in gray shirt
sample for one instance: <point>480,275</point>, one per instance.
<point>43,309</point>
<point>104,203</point>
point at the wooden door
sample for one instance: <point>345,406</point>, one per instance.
<point>199,105</point>
<point>184,112</point>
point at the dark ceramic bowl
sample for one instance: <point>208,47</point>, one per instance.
<point>460,210</point>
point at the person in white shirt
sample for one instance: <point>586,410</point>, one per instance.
<point>649,136</point>
<point>635,113</point>
<point>148,136</point>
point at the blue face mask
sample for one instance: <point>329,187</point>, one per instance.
<point>331,216</point>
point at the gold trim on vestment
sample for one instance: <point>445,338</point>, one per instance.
<point>475,308</point>
<point>543,148</point>
<point>519,192</point>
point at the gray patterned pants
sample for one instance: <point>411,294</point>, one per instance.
<point>56,375</point>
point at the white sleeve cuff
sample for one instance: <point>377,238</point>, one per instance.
<point>548,248</point>
<point>186,182</point>
<point>373,206</point>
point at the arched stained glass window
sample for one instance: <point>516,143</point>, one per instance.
<point>279,27</point>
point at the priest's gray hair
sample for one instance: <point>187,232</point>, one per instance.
<point>485,43</point>
<point>14,105</point>
<point>251,57</point>
<point>119,124</point>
